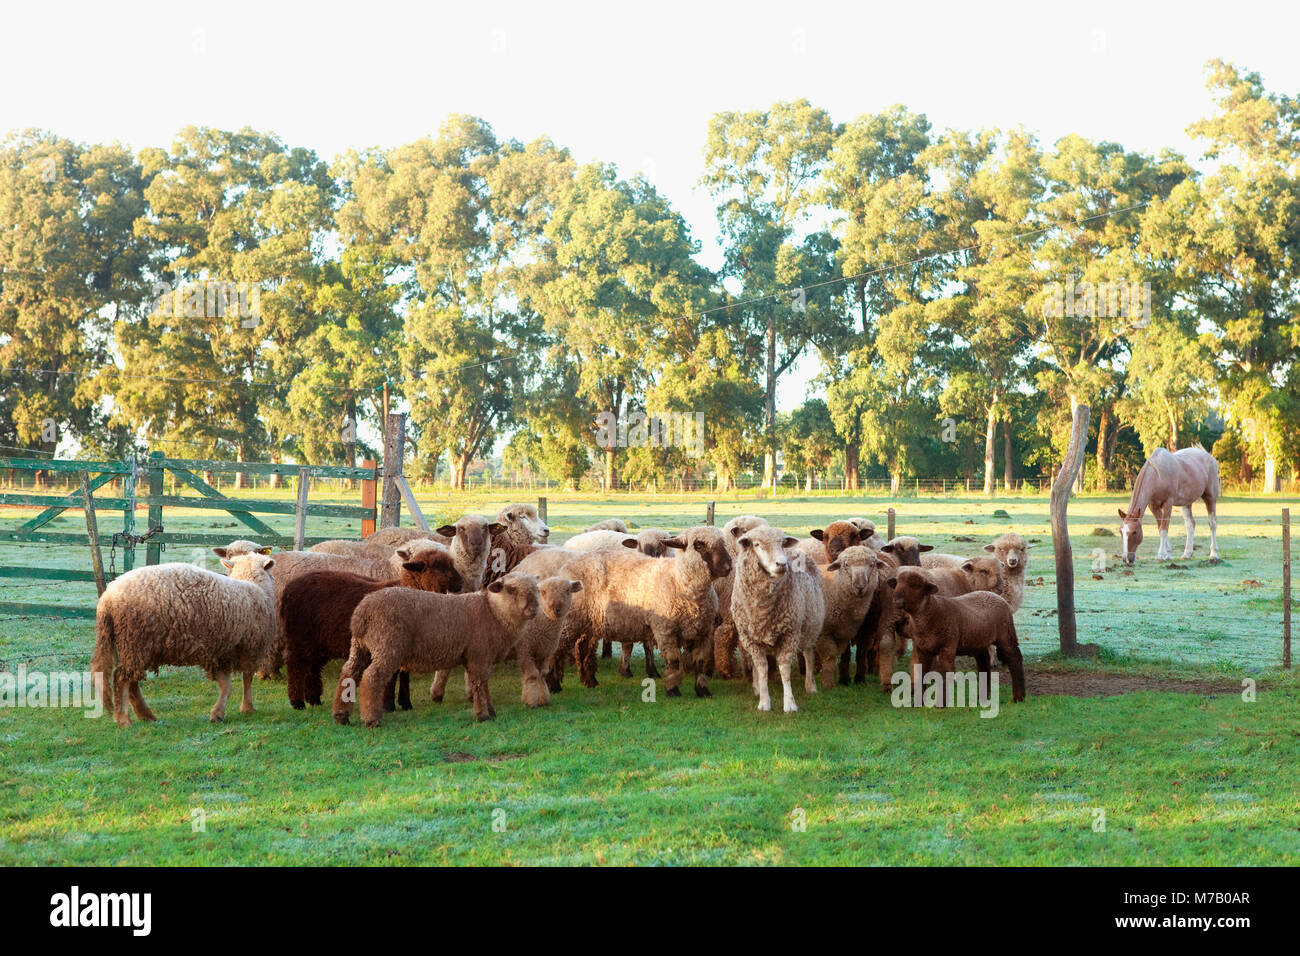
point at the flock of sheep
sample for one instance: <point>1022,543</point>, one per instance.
<point>713,602</point>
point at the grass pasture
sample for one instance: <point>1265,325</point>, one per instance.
<point>1175,769</point>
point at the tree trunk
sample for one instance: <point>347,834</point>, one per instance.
<point>459,466</point>
<point>895,481</point>
<point>990,435</point>
<point>241,479</point>
<point>610,474</point>
<point>1008,475</point>
<point>723,477</point>
<point>1173,428</point>
<point>1102,420</point>
<point>851,466</point>
<point>808,481</point>
<point>769,423</point>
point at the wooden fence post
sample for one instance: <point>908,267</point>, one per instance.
<point>300,512</point>
<point>541,509</point>
<point>92,532</point>
<point>412,504</point>
<point>708,514</point>
<point>1061,488</point>
<point>890,532</point>
<point>368,495</point>
<point>390,514</point>
<point>1286,588</point>
<point>153,552</point>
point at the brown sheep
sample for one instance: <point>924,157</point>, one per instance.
<point>826,543</point>
<point>943,627</point>
<point>470,541</point>
<point>316,617</point>
<point>849,584</point>
<point>398,628</point>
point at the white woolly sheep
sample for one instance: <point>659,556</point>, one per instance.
<point>182,615</point>
<point>627,596</point>
<point>600,540</point>
<point>610,524</point>
<point>777,607</point>
<point>725,643</point>
<point>470,541</point>
<point>523,533</point>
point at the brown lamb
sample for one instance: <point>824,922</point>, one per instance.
<point>943,627</point>
<point>316,617</point>
<point>398,628</point>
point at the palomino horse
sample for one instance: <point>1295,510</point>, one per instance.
<point>1168,479</point>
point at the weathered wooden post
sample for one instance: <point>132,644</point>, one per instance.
<point>541,509</point>
<point>153,552</point>
<point>708,514</point>
<point>390,514</point>
<point>300,511</point>
<point>1286,588</point>
<point>1061,536</point>
<point>92,532</point>
<point>890,532</point>
<point>368,495</point>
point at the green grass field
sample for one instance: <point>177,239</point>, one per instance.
<point>1193,775</point>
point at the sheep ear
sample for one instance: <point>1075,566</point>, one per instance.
<point>575,587</point>
<point>1030,547</point>
<point>925,547</point>
<point>735,532</point>
<point>745,543</point>
<point>403,553</point>
<point>968,566</point>
<point>931,587</point>
<point>496,586</point>
<point>675,543</point>
<point>219,552</point>
<point>510,516</point>
<point>889,548</point>
<point>228,564</point>
<point>629,542</point>
<point>415,567</point>
<point>833,566</point>
<point>447,531</point>
<point>989,548</point>
<point>496,527</point>
<point>892,582</point>
<point>790,542</point>
<point>269,564</point>
<point>817,533</point>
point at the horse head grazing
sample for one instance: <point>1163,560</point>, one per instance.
<point>1130,534</point>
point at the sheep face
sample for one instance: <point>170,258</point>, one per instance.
<point>860,567</point>
<point>983,574</point>
<point>1010,549</point>
<point>241,547</point>
<point>254,567</point>
<point>429,566</point>
<point>767,546</point>
<point>907,551</point>
<point>524,522</point>
<point>650,542</point>
<point>515,596</point>
<point>912,588</point>
<point>733,529</point>
<point>837,536</point>
<point>556,595</point>
<point>709,544</point>
<point>474,533</point>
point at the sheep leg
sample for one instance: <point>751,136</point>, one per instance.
<point>584,656</point>
<point>1009,651</point>
<point>828,659</point>
<point>702,656</point>
<point>530,680</point>
<point>476,676</point>
<point>845,659</point>
<point>297,677</point>
<point>784,665</point>
<point>886,660</point>
<point>346,694</point>
<point>246,702</point>
<point>759,664</point>
<point>607,650</point>
<point>315,685</point>
<point>438,689</point>
<point>390,694</point>
<point>982,662</point>
<point>624,659</point>
<point>404,689</point>
<point>650,669</point>
<point>374,682</point>
<point>674,672</point>
<point>555,674</point>
<point>218,712</point>
<point>724,651</point>
<point>137,702</point>
<point>809,671</point>
<point>121,688</point>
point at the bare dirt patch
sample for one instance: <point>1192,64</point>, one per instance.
<point>1085,684</point>
<point>459,756</point>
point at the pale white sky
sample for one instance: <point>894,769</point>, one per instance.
<point>632,85</point>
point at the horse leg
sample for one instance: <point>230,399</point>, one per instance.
<point>1162,524</point>
<point>1214,528</point>
<point>1190,524</point>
